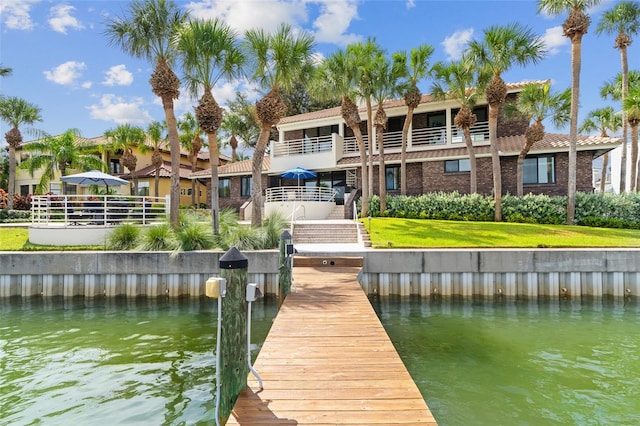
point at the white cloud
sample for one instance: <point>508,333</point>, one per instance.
<point>65,74</point>
<point>456,43</point>
<point>330,26</point>
<point>244,15</point>
<point>411,4</point>
<point>118,76</point>
<point>61,19</point>
<point>86,85</point>
<point>334,20</point>
<point>15,14</point>
<point>553,40</point>
<point>120,111</point>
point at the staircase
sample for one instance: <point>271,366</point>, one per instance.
<point>325,232</point>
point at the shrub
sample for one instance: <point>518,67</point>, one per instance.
<point>123,237</point>
<point>194,236</point>
<point>273,227</point>
<point>157,238</point>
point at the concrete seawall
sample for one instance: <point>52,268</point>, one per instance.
<point>489,273</point>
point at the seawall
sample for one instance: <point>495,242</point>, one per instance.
<point>458,272</point>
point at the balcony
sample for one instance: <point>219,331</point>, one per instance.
<point>299,202</point>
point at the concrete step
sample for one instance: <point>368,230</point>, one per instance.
<point>325,233</point>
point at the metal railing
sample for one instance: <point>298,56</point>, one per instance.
<point>299,193</point>
<point>102,210</point>
<point>303,146</point>
<point>479,133</point>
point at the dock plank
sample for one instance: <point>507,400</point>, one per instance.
<point>328,361</point>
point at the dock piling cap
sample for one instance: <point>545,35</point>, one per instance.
<point>233,259</point>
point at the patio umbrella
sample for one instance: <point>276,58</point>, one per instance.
<point>297,173</point>
<point>94,177</point>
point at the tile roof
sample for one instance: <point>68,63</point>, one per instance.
<point>335,112</point>
<point>234,169</point>
<point>164,172</point>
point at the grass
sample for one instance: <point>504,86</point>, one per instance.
<point>17,239</point>
<point>416,233</point>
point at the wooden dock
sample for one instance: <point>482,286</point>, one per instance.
<point>328,361</point>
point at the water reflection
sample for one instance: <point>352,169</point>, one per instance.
<point>520,362</point>
<point>112,361</point>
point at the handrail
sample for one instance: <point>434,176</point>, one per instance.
<point>303,146</point>
<point>299,193</point>
<point>355,211</point>
<point>96,209</point>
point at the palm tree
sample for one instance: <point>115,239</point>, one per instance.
<point>276,60</point>
<point>59,153</point>
<point>417,68</point>
<point>459,80</point>
<point>623,19</point>
<point>146,32</point>
<point>210,51</point>
<point>574,28</point>
<point>631,108</point>
<point>124,138</point>
<point>363,56</point>
<point>603,119</point>
<point>155,131</point>
<point>5,71</point>
<point>16,112</point>
<point>338,74</point>
<point>537,103</point>
<point>502,47</point>
<point>232,124</point>
<point>248,129</point>
<point>386,84</point>
<point>191,140</point>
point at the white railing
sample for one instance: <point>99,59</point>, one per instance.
<point>350,144</point>
<point>298,193</point>
<point>78,210</point>
<point>303,146</point>
<point>479,133</point>
<point>429,136</point>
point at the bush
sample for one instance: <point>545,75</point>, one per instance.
<point>123,237</point>
<point>157,238</point>
<point>194,236</point>
<point>15,216</point>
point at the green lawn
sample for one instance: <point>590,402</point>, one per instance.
<point>17,239</point>
<point>416,233</point>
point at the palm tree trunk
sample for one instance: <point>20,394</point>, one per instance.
<point>381,170</point>
<point>156,183</point>
<point>174,145</point>
<point>495,162</point>
<point>256,173</point>
<point>603,173</point>
<point>576,62</point>
<point>193,181</point>
<point>634,157</point>
<point>403,154</point>
<point>363,175</point>
<point>625,89</point>
<point>215,196</point>
<point>473,180</point>
<point>134,175</point>
<point>370,143</point>
<point>12,176</point>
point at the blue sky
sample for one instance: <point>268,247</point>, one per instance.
<point>63,63</point>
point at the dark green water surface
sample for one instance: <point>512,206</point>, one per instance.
<point>112,362</point>
<point>521,363</point>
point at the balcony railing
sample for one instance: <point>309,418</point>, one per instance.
<point>298,193</point>
<point>303,146</point>
<point>479,133</point>
<point>78,210</point>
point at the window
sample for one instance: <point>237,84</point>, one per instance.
<point>54,188</point>
<point>392,177</point>
<point>143,189</point>
<point>539,170</point>
<point>24,190</point>
<point>114,166</point>
<point>456,166</point>
<point>246,185</point>
<point>224,188</point>
<point>395,124</point>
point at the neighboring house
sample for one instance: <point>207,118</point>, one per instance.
<point>437,158</point>
<point>145,171</point>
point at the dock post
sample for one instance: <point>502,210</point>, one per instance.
<point>234,368</point>
<point>284,270</point>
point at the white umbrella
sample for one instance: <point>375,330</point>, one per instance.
<point>94,177</point>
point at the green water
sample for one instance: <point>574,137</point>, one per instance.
<point>108,362</point>
<point>521,363</point>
